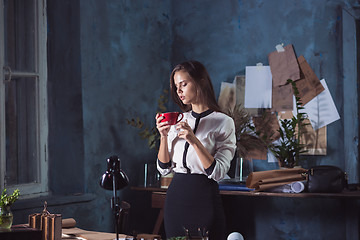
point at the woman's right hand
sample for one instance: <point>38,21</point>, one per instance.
<point>162,127</point>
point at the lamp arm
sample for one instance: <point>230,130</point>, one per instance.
<point>119,181</point>
<point>115,205</point>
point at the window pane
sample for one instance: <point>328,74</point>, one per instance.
<point>20,35</point>
<point>21,127</point>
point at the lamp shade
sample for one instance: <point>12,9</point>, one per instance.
<point>113,170</point>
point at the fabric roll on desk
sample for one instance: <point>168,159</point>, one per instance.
<point>70,231</point>
<point>68,223</point>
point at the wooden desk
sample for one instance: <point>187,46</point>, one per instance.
<point>21,232</point>
<point>158,201</point>
<point>24,232</point>
<point>158,196</point>
<point>345,194</point>
<point>73,233</point>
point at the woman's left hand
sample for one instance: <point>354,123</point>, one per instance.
<point>186,132</point>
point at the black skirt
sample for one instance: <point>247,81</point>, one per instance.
<point>193,201</point>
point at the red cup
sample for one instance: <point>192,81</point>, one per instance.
<point>171,117</point>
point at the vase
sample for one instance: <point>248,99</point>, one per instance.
<point>165,180</point>
<point>6,217</point>
<point>243,168</point>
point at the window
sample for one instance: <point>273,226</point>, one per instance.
<point>23,97</point>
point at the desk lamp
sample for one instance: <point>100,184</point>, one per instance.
<point>114,179</point>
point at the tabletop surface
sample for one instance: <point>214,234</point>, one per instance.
<point>346,194</point>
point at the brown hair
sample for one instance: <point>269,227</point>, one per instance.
<point>203,85</point>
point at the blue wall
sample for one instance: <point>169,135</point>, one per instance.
<point>110,61</point>
<point>125,61</point>
<point>230,35</point>
<point>129,47</point>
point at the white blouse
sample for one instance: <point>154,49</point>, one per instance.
<point>216,131</point>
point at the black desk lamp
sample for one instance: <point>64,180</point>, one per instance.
<point>114,179</point>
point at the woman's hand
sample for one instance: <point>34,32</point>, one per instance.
<point>186,132</point>
<point>162,127</point>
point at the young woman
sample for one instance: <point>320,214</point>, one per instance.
<point>198,150</point>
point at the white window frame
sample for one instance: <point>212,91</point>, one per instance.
<point>39,188</point>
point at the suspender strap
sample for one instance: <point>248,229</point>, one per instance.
<point>198,117</point>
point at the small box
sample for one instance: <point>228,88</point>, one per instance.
<point>51,227</point>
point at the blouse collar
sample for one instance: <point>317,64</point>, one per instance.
<point>203,114</point>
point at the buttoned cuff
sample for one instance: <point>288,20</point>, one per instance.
<point>164,165</point>
<point>210,169</point>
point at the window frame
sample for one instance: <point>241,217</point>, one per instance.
<point>39,188</point>
<point>351,98</point>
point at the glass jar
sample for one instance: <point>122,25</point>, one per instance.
<point>6,217</point>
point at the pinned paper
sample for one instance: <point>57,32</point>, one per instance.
<point>284,66</point>
<point>267,125</point>
<point>240,89</point>
<point>282,98</point>
<point>239,81</point>
<point>285,114</point>
<point>227,97</point>
<point>322,110</point>
<point>271,157</point>
<point>258,87</point>
<point>314,141</point>
<point>309,85</point>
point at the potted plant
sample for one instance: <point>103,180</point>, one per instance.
<point>6,216</point>
<point>248,143</point>
<point>289,148</point>
<point>246,137</point>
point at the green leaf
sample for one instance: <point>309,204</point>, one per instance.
<point>8,200</point>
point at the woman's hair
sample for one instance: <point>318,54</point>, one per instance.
<point>203,85</point>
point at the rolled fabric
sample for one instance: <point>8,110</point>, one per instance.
<point>68,223</point>
<point>263,180</point>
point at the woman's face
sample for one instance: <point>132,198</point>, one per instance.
<point>185,87</point>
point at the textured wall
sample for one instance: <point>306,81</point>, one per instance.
<point>66,145</point>
<point>230,35</point>
<point>127,49</point>
<point>227,36</point>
